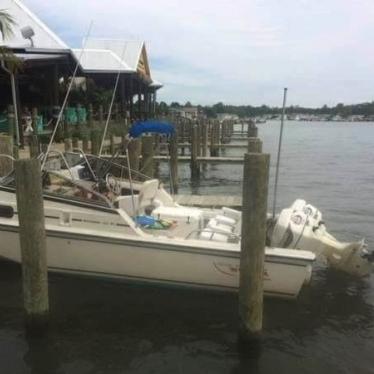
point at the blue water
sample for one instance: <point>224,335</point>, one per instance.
<point>105,327</point>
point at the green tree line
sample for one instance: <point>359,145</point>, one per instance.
<point>365,109</point>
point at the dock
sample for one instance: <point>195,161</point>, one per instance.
<point>227,160</point>
<point>210,201</point>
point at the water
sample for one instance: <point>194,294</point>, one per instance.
<point>107,327</point>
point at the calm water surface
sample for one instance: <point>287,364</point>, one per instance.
<point>107,327</point>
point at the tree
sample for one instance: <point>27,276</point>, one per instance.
<point>6,30</point>
<point>6,24</point>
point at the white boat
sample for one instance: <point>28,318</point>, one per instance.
<point>299,227</point>
<point>93,234</point>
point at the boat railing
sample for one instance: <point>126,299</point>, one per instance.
<point>59,153</point>
<point>4,177</point>
<point>122,168</point>
<point>7,156</point>
<point>80,151</point>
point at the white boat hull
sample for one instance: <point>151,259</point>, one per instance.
<point>101,242</point>
<point>105,257</point>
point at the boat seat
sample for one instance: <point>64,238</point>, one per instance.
<point>147,193</point>
<point>225,220</point>
<point>178,213</point>
<point>218,227</point>
<point>214,236</point>
<point>231,213</point>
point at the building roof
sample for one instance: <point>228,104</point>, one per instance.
<point>98,56</point>
<point>156,84</point>
<point>100,61</point>
<point>44,37</point>
<point>127,50</point>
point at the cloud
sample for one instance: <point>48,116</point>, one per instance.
<point>242,51</point>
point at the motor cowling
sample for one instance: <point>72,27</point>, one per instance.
<point>301,227</point>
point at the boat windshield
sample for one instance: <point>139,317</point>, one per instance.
<point>102,166</point>
<point>56,185</point>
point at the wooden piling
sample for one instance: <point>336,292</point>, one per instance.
<point>68,144</point>
<point>11,121</point>
<point>33,243</point>
<point>75,142</point>
<point>85,136</point>
<point>174,162</point>
<point>90,116</point>
<point>252,130</point>
<point>147,155</point>
<point>95,141</point>
<point>254,145</point>
<point>6,149</point>
<point>182,133</point>
<point>194,165</point>
<point>198,138</point>
<point>34,120</point>
<point>255,193</point>
<point>134,152</point>
<point>34,146</point>
<point>205,139</point>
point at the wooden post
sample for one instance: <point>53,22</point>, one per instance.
<point>117,112</point>
<point>195,167</point>
<point>218,137</point>
<point>34,146</point>
<point>11,121</point>
<point>254,145</point>
<point>95,141</point>
<point>33,243</point>
<point>211,130</point>
<point>34,120</point>
<point>255,193</point>
<point>90,116</point>
<point>198,138</point>
<point>85,135</point>
<point>205,139</point>
<point>214,139</point>
<point>134,152</point>
<point>183,133</point>
<point>174,162</point>
<point>75,143</point>
<point>252,130</point>
<point>147,155</point>
<point>68,144</point>
<point>6,148</point>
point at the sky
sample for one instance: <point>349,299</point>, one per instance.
<point>237,51</point>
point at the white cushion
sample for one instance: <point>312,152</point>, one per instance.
<point>225,220</point>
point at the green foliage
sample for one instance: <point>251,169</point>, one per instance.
<point>364,109</point>
<point>162,108</point>
<point>6,24</point>
<point>6,30</point>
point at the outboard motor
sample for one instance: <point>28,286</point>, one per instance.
<point>301,227</point>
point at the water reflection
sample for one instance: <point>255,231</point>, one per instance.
<point>111,327</point>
